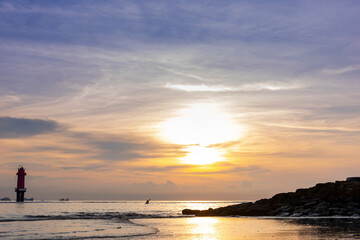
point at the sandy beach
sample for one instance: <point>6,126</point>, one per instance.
<point>231,228</point>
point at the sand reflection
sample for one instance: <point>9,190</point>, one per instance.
<point>231,228</point>
<point>204,228</point>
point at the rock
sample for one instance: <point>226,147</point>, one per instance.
<point>283,214</point>
<point>190,212</point>
<point>324,213</point>
<point>341,198</point>
<point>353,204</point>
<point>310,204</point>
<point>313,215</point>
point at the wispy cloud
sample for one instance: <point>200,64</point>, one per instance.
<point>9,99</point>
<point>199,88</point>
<point>315,128</point>
<point>343,70</point>
<point>221,88</point>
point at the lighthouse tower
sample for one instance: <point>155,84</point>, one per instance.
<point>20,189</point>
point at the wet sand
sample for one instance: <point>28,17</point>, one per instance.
<point>211,228</point>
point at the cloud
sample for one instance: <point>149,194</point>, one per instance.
<point>267,86</point>
<point>25,127</point>
<point>199,88</point>
<point>315,128</point>
<point>158,169</point>
<point>222,88</point>
<point>343,110</point>
<point>116,147</point>
<point>233,169</point>
<point>252,169</point>
<point>87,167</point>
<point>343,70</point>
<point>246,184</point>
<point>151,186</point>
<point>10,98</point>
<point>118,150</point>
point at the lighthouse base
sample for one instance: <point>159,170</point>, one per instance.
<point>20,195</point>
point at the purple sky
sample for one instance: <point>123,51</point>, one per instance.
<point>85,87</point>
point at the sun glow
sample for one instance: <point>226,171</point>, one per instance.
<point>202,124</point>
<point>199,127</point>
<point>202,155</point>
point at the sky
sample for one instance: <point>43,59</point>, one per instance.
<point>178,100</point>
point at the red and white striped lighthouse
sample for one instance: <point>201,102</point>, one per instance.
<point>20,189</point>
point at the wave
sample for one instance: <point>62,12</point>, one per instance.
<point>91,215</point>
<point>125,201</point>
<point>102,225</point>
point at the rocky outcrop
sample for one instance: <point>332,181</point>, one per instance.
<point>341,198</point>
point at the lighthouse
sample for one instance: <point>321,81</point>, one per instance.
<point>20,189</point>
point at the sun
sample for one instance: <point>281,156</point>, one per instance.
<point>200,127</point>
<point>200,155</point>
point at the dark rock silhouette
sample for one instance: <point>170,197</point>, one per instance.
<point>340,198</point>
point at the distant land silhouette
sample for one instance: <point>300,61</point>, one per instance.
<point>340,198</point>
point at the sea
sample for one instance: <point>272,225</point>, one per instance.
<point>158,220</point>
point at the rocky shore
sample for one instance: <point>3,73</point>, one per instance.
<point>340,198</point>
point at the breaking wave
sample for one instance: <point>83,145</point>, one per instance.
<point>80,225</point>
<point>90,215</point>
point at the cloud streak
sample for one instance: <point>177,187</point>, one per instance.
<point>24,127</point>
<point>220,88</point>
<point>342,70</point>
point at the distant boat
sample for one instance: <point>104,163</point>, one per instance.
<point>64,199</point>
<point>5,199</point>
<point>148,201</point>
<point>29,199</point>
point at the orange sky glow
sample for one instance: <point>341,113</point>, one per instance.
<point>170,107</point>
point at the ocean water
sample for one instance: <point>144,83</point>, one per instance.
<point>157,220</point>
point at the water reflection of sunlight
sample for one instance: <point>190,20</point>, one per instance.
<point>203,220</point>
<point>203,205</point>
<point>203,227</point>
